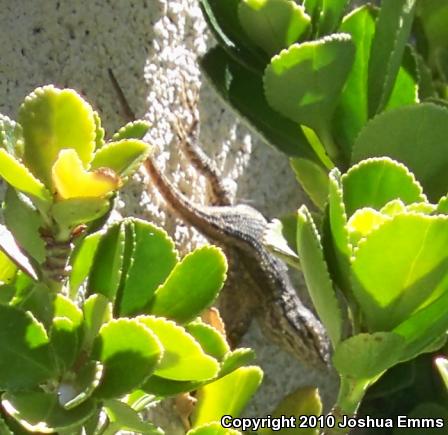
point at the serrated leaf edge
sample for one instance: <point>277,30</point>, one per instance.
<point>363,240</point>
<point>365,162</point>
<point>386,113</point>
<point>305,215</point>
<point>118,134</point>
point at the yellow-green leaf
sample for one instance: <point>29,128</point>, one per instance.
<point>304,82</point>
<point>8,269</point>
<point>227,396</point>
<point>183,358</point>
<point>52,120</point>
<point>129,352</point>
<point>399,268</point>
<point>19,177</point>
<point>192,285</point>
<point>303,401</point>
<point>365,356</point>
<point>132,130</point>
<point>123,157</point>
<point>317,277</point>
<point>273,24</point>
<point>212,429</point>
<point>71,180</point>
<point>42,412</point>
<point>413,135</point>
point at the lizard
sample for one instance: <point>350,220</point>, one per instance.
<point>283,316</point>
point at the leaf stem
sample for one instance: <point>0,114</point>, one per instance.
<point>351,392</point>
<point>103,428</point>
<point>330,146</point>
<point>54,269</point>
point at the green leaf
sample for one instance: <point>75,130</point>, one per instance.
<point>64,341</point>
<point>352,112</point>
<point>305,81</point>
<point>71,180</point>
<point>41,412</point>
<point>25,357</point>
<point>432,24</point>
<point>92,423</point>
<point>53,120</point>
<point>161,387</point>
<point>183,358</point>
<point>9,247</point>
<point>330,15</point>
<point>434,14</point>
<point>123,157</point>
<point>99,131</point>
<point>226,396</point>
<point>297,81</point>
<point>74,392</point>
<point>24,221</point>
<point>11,136</point>
<point>97,310</point>
<point>81,261</point>
<point>130,352</point>
<point>276,242</point>
<point>413,268</point>
<point>212,429</point>
<point>424,327</point>
<point>243,90</point>
<point>273,24</point>
<point>152,259</point>
<point>222,18</point>
<point>36,298</point>
<point>19,177</point>
<point>406,134</point>
<point>426,86</point>
<point>7,292</point>
<point>365,356</point>
<point>392,32</point>
<point>106,270</point>
<point>376,181</point>
<point>363,222</point>
<point>313,178</point>
<point>132,130</point>
<point>420,207</point>
<point>236,359</point>
<point>4,428</point>
<point>318,147</point>
<point>8,269</point>
<point>71,212</point>
<point>405,90</point>
<point>289,231</point>
<point>64,307</point>
<point>313,8</point>
<point>303,401</point>
<point>317,277</point>
<point>124,417</point>
<point>212,342</point>
<point>442,205</point>
<point>192,285</point>
<point>339,245</point>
